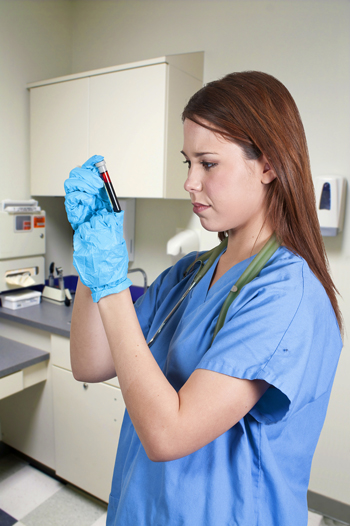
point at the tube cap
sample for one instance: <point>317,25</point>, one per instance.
<point>101,166</point>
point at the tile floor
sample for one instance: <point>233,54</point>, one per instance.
<point>29,497</point>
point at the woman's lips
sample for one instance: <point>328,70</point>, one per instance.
<point>199,207</point>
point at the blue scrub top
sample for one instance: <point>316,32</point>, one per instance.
<point>282,329</point>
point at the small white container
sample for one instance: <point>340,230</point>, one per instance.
<point>19,300</point>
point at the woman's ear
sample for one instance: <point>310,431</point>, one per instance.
<point>268,174</point>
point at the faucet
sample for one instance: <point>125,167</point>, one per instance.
<point>143,274</point>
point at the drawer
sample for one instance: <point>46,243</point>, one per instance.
<point>60,356</point>
<point>13,383</point>
<point>60,353</point>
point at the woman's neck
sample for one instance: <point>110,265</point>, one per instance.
<point>241,246</point>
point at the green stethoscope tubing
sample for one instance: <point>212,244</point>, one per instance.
<point>251,272</point>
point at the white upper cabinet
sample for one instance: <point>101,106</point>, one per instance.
<point>130,114</point>
<point>127,126</point>
<point>59,133</point>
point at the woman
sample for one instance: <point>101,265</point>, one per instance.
<point>216,432</point>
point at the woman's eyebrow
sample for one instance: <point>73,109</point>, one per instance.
<point>199,154</point>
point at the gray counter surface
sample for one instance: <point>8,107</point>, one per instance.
<point>15,356</point>
<point>50,317</point>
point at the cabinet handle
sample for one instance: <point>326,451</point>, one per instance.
<point>85,386</point>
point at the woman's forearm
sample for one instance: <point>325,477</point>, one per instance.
<point>151,401</point>
<point>91,358</point>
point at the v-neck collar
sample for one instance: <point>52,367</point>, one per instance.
<point>231,275</point>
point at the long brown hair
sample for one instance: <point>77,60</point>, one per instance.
<point>256,111</point>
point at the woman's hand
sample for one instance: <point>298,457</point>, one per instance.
<point>85,193</point>
<point>100,254</point>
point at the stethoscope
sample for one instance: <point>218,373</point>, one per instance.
<point>251,272</point>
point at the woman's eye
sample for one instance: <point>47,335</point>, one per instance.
<point>208,166</point>
<point>188,163</point>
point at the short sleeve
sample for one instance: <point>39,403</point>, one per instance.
<point>278,330</point>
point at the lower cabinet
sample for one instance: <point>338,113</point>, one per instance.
<point>87,420</point>
<point>26,417</point>
<point>66,425</point>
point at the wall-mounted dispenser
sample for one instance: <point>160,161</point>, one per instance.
<point>193,238</point>
<point>330,202</point>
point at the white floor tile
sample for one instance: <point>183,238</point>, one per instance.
<point>314,519</point>
<point>101,521</point>
<point>23,491</point>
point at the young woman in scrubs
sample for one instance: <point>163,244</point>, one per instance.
<point>222,433</point>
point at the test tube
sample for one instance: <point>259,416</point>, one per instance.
<point>102,168</point>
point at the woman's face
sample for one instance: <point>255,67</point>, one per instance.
<point>227,190</point>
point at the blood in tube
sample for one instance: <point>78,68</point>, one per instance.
<point>102,168</point>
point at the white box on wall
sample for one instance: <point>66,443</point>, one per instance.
<point>330,201</point>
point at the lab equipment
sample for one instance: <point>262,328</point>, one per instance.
<point>59,271</point>
<point>19,300</point>
<point>102,168</point>
<point>248,275</point>
<point>22,244</point>
<point>14,206</point>
<point>144,275</point>
<point>100,254</point>
<point>55,294</point>
<point>330,201</point>
<point>68,298</point>
<point>128,206</point>
<point>51,276</point>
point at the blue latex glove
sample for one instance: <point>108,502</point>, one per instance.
<point>85,193</point>
<point>100,254</point>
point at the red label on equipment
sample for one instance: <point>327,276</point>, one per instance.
<point>39,221</point>
<point>26,225</point>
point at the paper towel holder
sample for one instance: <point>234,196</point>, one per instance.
<point>184,242</point>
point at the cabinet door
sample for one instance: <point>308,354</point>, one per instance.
<point>58,133</point>
<point>128,126</point>
<point>88,418</point>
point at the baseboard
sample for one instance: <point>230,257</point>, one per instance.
<point>328,507</point>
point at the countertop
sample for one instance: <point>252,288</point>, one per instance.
<point>15,356</point>
<point>48,316</point>
<point>51,317</point>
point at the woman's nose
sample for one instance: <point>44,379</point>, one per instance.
<point>193,182</point>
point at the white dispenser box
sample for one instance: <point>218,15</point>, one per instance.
<point>19,300</point>
<point>330,201</point>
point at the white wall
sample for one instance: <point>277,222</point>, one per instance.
<point>303,43</point>
<point>35,43</point>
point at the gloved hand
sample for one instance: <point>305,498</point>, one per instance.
<point>100,254</point>
<point>85,193</point>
